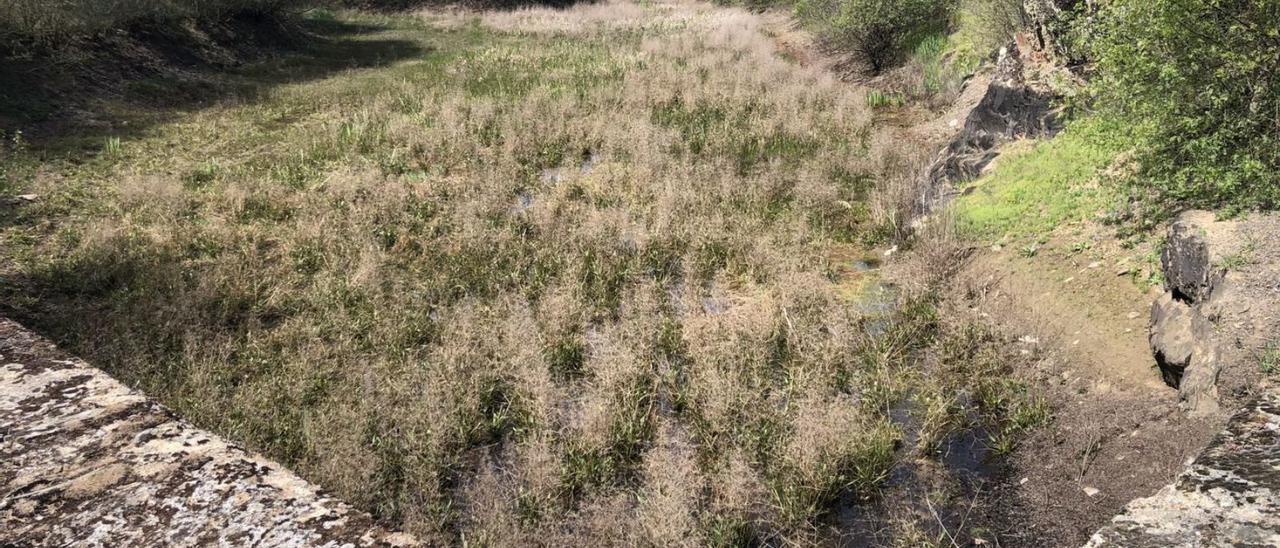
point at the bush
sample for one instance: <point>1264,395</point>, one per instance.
<point>986,25</point>
<point>1199,81</point>
<point>876,30</point>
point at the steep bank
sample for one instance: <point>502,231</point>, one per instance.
<point>1141,356</point>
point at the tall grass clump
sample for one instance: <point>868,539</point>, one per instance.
<point>884,99</point>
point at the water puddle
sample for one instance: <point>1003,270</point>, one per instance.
<point>961,466</point>
<point>865,265</point>
<point>557,174</point>
<point>967,454</point>
<point>964,455</point>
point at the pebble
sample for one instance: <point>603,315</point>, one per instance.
<point>1134,315</point>
<point>1089,491</point>
<point>1095,264</point>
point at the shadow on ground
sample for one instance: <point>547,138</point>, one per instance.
<point>119,83</point>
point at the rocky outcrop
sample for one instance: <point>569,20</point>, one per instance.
<point>1182,341</point>
<point>1189,271</point>
<point>1010,109</point>
<point>86,461</point>
<point>1182,335</point>
<point>1215,319</point>
<point>1228,496</point>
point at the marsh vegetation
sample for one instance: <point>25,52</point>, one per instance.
<point>580,276</point>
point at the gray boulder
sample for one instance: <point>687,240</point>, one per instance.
<point>1182,340</point>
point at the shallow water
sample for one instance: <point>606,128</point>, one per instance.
<point>963,461</point>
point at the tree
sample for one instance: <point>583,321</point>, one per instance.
<point>1199,81</point>
<point>876,30</point>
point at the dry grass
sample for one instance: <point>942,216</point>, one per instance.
<point>565,277</point>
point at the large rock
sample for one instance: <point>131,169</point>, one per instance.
<point>1227,497</point>
<point>86,461</point>
<point>1189,271</point>
<point>1010,109</point>
<point>1181,333</point>
<point>1182,341</point>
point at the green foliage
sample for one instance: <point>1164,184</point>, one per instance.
<point>112,148</point>
<point>983,26</point>
<point>1269,360</point>
<point>884,99</point>
<point>929,53</point>
<point>942,66</point>
<point>1198,81</point>
<point>1035,189</point>
<point>875,30</point>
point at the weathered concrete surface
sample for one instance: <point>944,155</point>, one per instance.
<point>86,461</point>
<point>1229,496</point>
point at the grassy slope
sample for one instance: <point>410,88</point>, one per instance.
<point>1036,187</point>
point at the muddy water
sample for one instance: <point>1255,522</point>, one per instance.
<point>927,489</point>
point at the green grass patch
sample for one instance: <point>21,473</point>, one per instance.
<point>1035,187</point>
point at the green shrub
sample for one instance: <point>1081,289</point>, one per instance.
<point>983,26</point>
<point>881,99</point>
<point>876,30</point>
<point>1199,83</point>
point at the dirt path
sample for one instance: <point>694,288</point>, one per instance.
<point>1117,432</point>
<point>1080,303</point>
